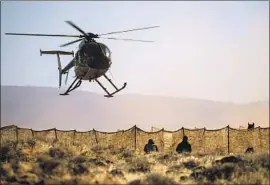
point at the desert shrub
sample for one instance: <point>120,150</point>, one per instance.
<point>9,152</point>
<point>78,165</point>
<point>167,158</point>
<point>31,143</point>
<point>47,164</point>
<point>78,169</point>
<point>97,161</point>
<point>98,149</point>
<point>139,165</point>
<point>29,178</point>
<point>117,172</point>
<point>114,150</point>
<point>79,159</point>
<point>174,168</point>
<point>69,182</point>
<point>57,153</point>
<point>127,153</point>
<point>190,164</point>
<point>6,153</point>
<point>260,161</point>
<point>15,165</point>
<point>135,182</point>
<point>157,179</point>
<point>7,173</point>
<point>216,172</point>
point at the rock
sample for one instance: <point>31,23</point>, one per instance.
<point>229,159</point>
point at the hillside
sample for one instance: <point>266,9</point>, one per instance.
<point>42,108</point>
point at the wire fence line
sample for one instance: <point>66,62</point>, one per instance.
<point>223,140</point>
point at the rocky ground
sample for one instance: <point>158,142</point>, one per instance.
<point>35,162</point>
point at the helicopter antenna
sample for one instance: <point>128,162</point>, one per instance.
<point>88,36</point>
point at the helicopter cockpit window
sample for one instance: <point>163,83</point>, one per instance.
<point>105,50</point>
<point>90,50</point>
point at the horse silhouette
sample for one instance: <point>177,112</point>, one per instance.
<point>251,126</point>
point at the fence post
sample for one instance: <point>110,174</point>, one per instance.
<point>135,137</point>
<point>204,139</point>
<point>163,147</point>
<point>260,137</point>
<point>183,131</point>
<point>74,135</point>
<point>95,136</point>
<point>32,132</point>
<point>55,133</point>
<point>17,135</point>
<point>228,138</point>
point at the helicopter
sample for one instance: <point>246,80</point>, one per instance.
<point>91,61</point>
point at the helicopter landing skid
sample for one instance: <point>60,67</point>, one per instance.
<point>71,88</point>
<point>110,95</point>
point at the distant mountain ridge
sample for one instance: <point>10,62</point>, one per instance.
<point>42,108</point>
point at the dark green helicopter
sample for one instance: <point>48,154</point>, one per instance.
<point>91,61</point>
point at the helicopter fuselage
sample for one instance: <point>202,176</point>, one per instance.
<point>92,60</point>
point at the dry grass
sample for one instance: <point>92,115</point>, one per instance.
<point>36,162</point>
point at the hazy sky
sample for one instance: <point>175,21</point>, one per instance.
<point>208,50</point>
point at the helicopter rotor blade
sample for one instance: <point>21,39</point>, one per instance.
<point>112,38</point>
<point>49,35</point>
<point>77,28</point>
<point>72,42</point>
<point>137,29</point>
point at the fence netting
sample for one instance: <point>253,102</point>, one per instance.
<point>224,140</point>
<point>86,139</point>
<point>216,140</point>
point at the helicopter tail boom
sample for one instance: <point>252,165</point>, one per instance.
<point>58,53</point>
<point>54,52</point>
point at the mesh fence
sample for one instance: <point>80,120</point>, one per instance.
<point>67,137</point>
<point>120,139</point>
<point>224,140</point>
<point>196,139</point>
<point>142,138</point>
<point>87,139</point>
<point>240,140</point>
<point>48,136</point>
<point>25,134</point>
<point>264,138</point>
<point>216,140</point>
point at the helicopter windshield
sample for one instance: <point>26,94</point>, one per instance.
<point>106,50</point>
<point>93,49</point>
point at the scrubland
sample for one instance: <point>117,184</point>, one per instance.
<point>37,162</point>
